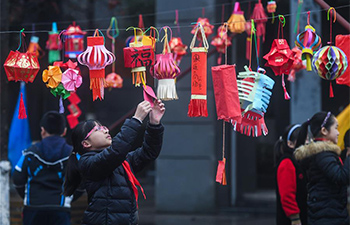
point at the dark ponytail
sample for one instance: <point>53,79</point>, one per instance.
<point>319,120</point>
<point>281,146</point>
<point>73,177</point>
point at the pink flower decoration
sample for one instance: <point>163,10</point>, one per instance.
<point>71,79</point>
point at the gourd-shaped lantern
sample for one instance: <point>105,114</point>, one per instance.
<point>165,70</point>
<point>96,57</point>
<point>308,42</point>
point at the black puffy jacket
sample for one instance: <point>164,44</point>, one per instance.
<point>110,195</point>
<point>327,183</point>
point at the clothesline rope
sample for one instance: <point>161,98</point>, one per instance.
<point>172,27</point>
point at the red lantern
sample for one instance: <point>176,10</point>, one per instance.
<point>343,42</point>
<point>96,57</point>
<point>54,45</point>
<point>74,41</point>
<point>137,57</point>
<point>260,18</point>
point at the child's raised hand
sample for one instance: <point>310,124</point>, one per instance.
<point>142,110</point>
<point>157,112</point>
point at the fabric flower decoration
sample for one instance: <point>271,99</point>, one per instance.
<point>114,80</point>
<point>60,91</point>
<point>52,76</point>
<point>71,79</point>
<point>208,28</point>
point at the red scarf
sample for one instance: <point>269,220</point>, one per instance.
<point>133,181</point>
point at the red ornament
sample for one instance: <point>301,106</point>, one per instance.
<point>177,48</point>
<point>221,41</point>
<point>208,28</point>
<point>297,64</point>
<point>74,41</point>
<point>343,42</point>
<point>260,18</point>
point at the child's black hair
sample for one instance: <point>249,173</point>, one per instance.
<point>319,120</point>
<point>73,177</point>
<point>290,134</point>
<point>53,122</point>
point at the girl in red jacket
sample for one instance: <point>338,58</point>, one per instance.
<point>290,181</point>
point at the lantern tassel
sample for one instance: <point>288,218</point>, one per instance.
<point>97,83</point>
<point>22,109</point>
<point>138,76</point>
<point>166,89</point>
<point>221,173</point>
<point>197,108</point>
<point>286,95</point>
<point>331,94</point>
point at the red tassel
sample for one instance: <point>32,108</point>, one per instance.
<point>331,95</point>
<point>247,48</point>
<point>197,108</point>
<point>286,95</point>
<point>221,173</point>
<point>22,109</point>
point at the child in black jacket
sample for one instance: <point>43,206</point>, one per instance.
<point>105,166</point>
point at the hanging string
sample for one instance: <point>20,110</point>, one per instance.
<point>256,47</point>
<point>330,11</point>
<point>177,22</point>
<point>203,12</point>
<point>297,18</point>
<point>223,139</point>
<point>281,24</point>
<point>21,33</point>
<point>113,33</point>
<point>223,34</point>
<point>252,30</point>
<point>62,34</point>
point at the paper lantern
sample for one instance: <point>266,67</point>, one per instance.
<point>207,27</point>
<point>21,66</point>
<point>309,42</point>
<point>54,45</point>
<point>236,22</point>
<point>260,18</point>
<point>138,57</point>
<point>198,102</point>
<point>226,93</point>
<point>96,57</point>
<point>74,41</point>
<point>343,43</point>
<point>297,64</point>
<point>271,8</point>
<point>178,49</point>
<point>165,70</point>
<point>221,41</point>
<point>253,124</point>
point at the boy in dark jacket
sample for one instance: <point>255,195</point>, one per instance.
<point>39,175</point>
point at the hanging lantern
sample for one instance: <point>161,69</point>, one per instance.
<point>309,42</point>
<point>297,64</point>
<point>207,27</point>
<point>198,103</point>
<point>260,18</point>
<point>280,58</point>
<point>343,43</point>
<point>137,57</point>
<point>165,70</point>
<point>271,8</point>
<point>21,66</point>
<point>34,47</point>
<point>96,57</point>
<point>221,41</point>
<point>54,45</point>
<point>74,41</point>
<point>236,22</point>
<point>330,62</point>
<point>178,49</point>
<point>254,97</point>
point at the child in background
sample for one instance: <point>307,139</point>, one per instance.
<point>105,166</point>
<point>290,181</point>
<point>328,177</point>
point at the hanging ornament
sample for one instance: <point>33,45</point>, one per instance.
<point>21,66</point>
<point>71,80</point>
<point>165,70</point>
<point>236,22</point>
<point>52,76</point>
<point>54,45</point>
<point>207,27</point>
<point>248,43</point>
<point>343,43</point>
<point>137,57</point>
<point>254,97</point>
<point>113,80</point>
<point>221,41</point>
<point>309,42</point>
<point>330,62</point>
<point>198,103</point>
<point>297,64</point>
<point>96,57</point>
<point>74,110</point>
<point>271,8</point>
<point>177,47</point>
<point>260,18</point>
<point>74,41</point>
<point>280,58</point>
<point>151,39</point>
<point>34,47</point>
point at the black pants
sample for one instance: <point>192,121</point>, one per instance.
<point>45,217</point>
